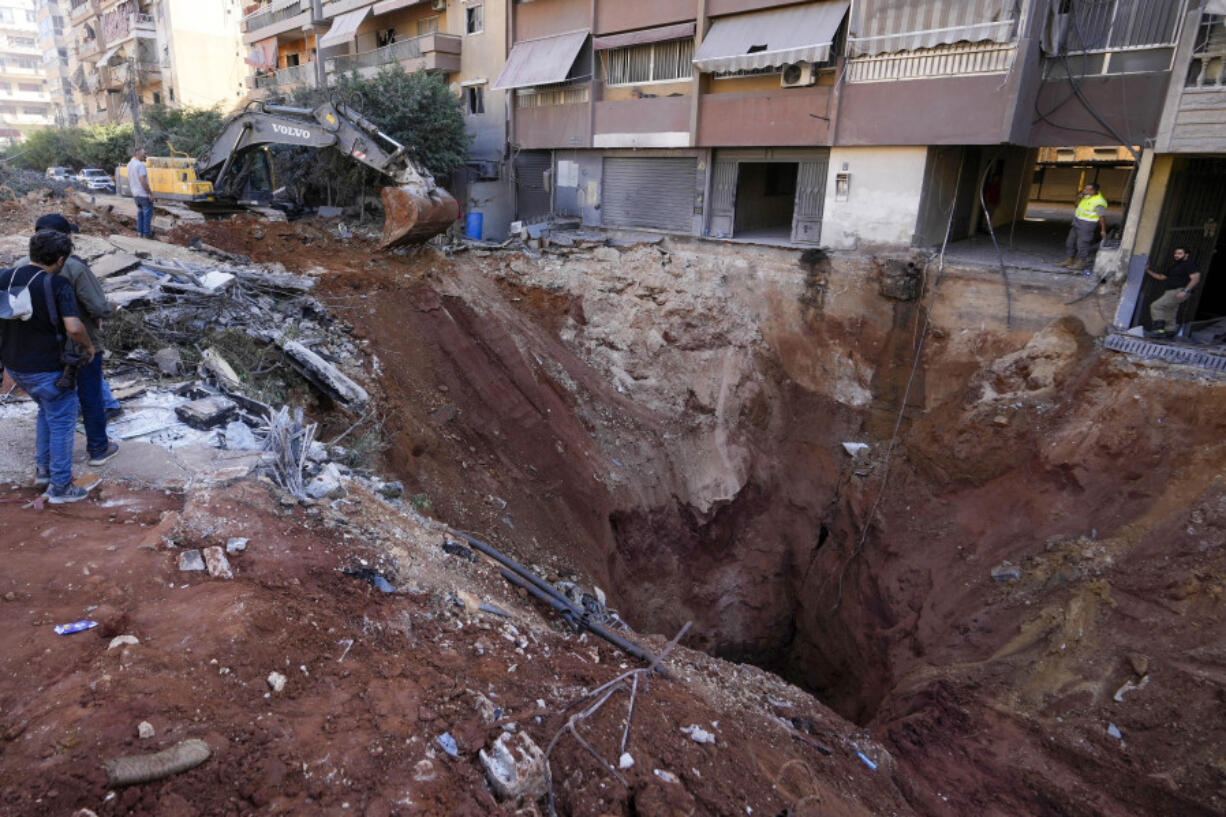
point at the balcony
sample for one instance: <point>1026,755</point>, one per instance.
<point>82,10</point>
<point>88,48</point>
<point>662,122</point>
<point>284,78</point>
<point>273,20</point>
<point>432,52</point>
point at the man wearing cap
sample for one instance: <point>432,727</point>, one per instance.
<point>93,307</point>
<point>32,353</point>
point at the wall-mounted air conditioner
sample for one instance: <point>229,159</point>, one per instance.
<point>799,74</point>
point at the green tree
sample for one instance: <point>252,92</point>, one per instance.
<point>189,130</point>
<point>418,110</point>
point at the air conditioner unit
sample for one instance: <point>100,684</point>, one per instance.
<point>438,5</point>
<point>798,74</point>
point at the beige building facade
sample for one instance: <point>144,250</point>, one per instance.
<point>25,103</point>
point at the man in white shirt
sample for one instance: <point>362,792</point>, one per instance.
<point>138,181</point>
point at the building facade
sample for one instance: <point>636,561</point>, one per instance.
<point>291,43</point>
<point>124,54</point>
<point>829,123</point>
<point>25,101</point>
<point>53,34</point>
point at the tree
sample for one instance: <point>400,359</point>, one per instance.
<point>189,130</point>
<point>417,110</point>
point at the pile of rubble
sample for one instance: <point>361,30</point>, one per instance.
<point>177,388</point>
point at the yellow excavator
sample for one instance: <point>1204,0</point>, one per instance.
<point>238,168</point>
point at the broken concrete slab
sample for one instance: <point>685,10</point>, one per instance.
<point>327,377</point>
<point>191,561</point>
<point>151,248</point>
<point>218,564</point>
<point>113,264</point>
<point>207,412</point>
<point>169,360</point>
<point>326,483</point>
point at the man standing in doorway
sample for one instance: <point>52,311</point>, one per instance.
<point>1178,282</point>
<point>1089,221</point>
<point>138,181</point>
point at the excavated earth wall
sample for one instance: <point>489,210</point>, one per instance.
<point>669,419</point>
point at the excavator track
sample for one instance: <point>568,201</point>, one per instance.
<point>410,218</point>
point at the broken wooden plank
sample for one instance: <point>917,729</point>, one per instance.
<point>323,374</point>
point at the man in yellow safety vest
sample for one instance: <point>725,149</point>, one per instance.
<point>1089,218</point>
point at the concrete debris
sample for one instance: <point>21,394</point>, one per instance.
<point>191,561</point>
<point>237,545</point>
<point>169,361</point>
<point>207,412</point>
<point>391,490</point>
<point>218,564</point>
<point>698,734</point>
<point>515,767</point>
<point>448,744</point>
<point>606,255</point>
<point>113,264</point>
<point>238,436</point>
<point>327,483</point>
<point>276,681</point>
<point>121,640</point>
<point>145,730</point>
<point>1129,686</point>
<point>326,376</point>
<point>625,761</point>
<point>1114,731</point>
<point>1006,572</point>
<point>666,776</point>
<point>855,449</point>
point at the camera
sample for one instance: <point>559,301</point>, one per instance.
<point>68,377</point>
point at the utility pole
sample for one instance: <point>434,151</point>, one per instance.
<point>133,88</point>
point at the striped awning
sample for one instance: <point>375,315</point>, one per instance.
<point>543,61</point>
<point>344,28</point>
<point>771,38</point>
<point>646,35</point>
<point>885,26</point>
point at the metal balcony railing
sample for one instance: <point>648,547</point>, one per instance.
<point>275,15</point>
<point>397,51</point>
<point>294,75</point>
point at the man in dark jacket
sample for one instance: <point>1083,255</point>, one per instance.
<point>31,351</point>
<point>93,307</point>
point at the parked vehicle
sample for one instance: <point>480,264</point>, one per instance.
<point>63,174</point>
<point>96,180</point>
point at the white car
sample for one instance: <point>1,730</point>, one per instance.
<point>96,180</point>
<point>63,174</point>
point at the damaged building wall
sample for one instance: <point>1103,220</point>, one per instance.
<point>882,200</point>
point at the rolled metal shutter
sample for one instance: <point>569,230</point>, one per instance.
<point>654,192</point>
<point>532,196</point>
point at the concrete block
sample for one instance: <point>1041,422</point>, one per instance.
<point>207,412</point>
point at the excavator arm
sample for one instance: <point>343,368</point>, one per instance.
<point>416,207</point>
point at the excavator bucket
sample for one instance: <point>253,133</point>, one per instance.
<point>411,218</point>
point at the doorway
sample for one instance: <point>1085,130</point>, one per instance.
<point>766,200</point>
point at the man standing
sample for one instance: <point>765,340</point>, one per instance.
<point>1178,282</point>
<point>1089,219</point>
<point>31,352</point>
<point>138,181</point>
<point>92,307</point>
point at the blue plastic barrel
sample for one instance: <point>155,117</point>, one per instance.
<point>472,226</point>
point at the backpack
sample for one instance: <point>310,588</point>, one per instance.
<point>17,306</point>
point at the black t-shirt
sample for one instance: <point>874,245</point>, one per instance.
<point>1178,276</point>
<point>32,346</point>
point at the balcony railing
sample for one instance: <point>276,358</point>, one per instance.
<point>1207,70</point>
<point>939,61</point>
<point>83,9</point>
<point>445,48</point>
<point>276,14</point>
<point>294,75</point>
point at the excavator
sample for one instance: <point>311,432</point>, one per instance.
<point>238,170</point>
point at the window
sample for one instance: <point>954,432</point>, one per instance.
<point>427,25</point>
<point>474,99</point>
<point>547,96</point>
<point>1114,24</point>
<point>291,60</point>
<point>157,98</point>
<point>29,87</point>
<point>655,62</point>
<point>474,19</point>
<point>384,37</point>
<point>34,111</point>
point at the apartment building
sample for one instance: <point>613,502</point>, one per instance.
<point>53,31</point>
<point>128,53</point>
<point>830,123</point>
<point>291,43</point>
<point>1180,194</point>
<point>25,103</point>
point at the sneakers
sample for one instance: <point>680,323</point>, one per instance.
<point>62,494</point>
<point>42,477</point>
<point>106,456</point>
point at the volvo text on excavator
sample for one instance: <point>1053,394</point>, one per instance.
<point>237,167</point>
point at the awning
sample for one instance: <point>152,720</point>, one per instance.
<point>394,5</point>
<point>885,26</point>
<point>771,38</point>
<point>105,59</point>
<point>649,35</point>
<point>344,28</point>
<point>543,61</point>
<point>1215,6</point>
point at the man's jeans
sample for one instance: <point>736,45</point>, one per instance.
<point>93,406</point>
<point>144,216</point>
<point>108,400</point>
<point>57,423</point>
